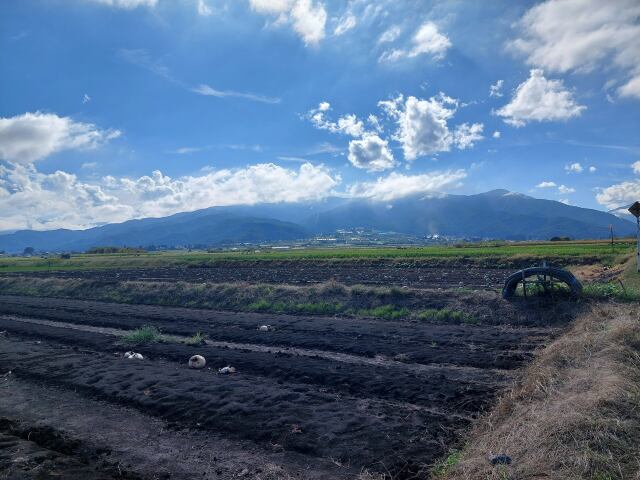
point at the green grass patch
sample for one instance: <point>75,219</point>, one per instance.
<point>565,252</point>
<point>197,339</point>
<point>611,290</point>
<point>387,312</point>
<point>309,308</point>
<point>444,466</point>
<point>146,334</point>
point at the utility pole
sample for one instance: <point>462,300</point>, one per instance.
<point>611,234</point>
<point>635,211</point>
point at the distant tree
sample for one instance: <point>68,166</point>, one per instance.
<point>28,251</point>
<point>560,239</point>
<point>99,250</point>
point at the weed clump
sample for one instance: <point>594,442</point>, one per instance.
<point>197,339</point>
<point>387,312</point>
<point>146,334</point>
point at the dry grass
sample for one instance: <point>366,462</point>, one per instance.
<point>575,414</point>
<point>328,298</point>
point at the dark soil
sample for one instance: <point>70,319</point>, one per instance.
<point>316,397</point>
<point>411,274</point>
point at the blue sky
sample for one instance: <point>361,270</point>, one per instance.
<point>119,109</point>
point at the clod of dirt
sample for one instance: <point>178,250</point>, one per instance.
<point>197,361</point>
<point>265,328</point>
<point>501,459</point>
<point>227,370</point>
<point>134,355</point>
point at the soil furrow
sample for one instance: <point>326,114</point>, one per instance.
<point>301,419</point>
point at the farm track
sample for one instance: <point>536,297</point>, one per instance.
<point>301,273</point>
<point>314,393</point>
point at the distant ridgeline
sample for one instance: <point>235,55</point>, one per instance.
<point>498,215</point>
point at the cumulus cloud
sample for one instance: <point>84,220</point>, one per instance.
<point>422,125</point>
<point>308,19</point>
<point>30,137</point>
<point>546,184</point>
<point>347,124</point>
<point>127,4</point>
<point>60,200</point>
<point>541,100</point>
<point>496,134</point>
<point>574,168</point>
<point>396,185</point>
<point>371,153</point>
<point>620,194</point>
<point>563,189</point>
<point>585,35</point>
<point>465,135</point>
<point>419,125</point>
<point>592,169</point>
<point>495,90</point>
<point>426,41</point>
<point>367,151</point>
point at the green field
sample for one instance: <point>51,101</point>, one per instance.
<point>567,252</point>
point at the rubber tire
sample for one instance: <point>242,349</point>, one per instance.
<point>511,283</point>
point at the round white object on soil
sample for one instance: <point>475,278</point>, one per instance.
<point>197,361</point>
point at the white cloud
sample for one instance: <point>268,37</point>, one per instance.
<point>86,98</point>
<point>574,168</point>
<point>345,24</point>
<point>592,169</point>
<point>397,185</point>
<point>495,90</point>
<point>127,4</point>
<point>585,35</point>
<point>563,189</point>
<point>371,153</point>
<point>346,124</point>
<point>419,125</point>
<point>546,185</point>
<point>566,201</point>
<point>620,194</point>
<point>390,35</point>
<point>426,41</point>
<point>204,9</point>
<point>271,6</point>
<point>307,19</point>
<point>496,134</point>
<point>636,167</point>
<point>541,100</point>
<point>60,200</point>
<point>465,135</point>
<point>30,137</point>
<point>422,127</point>
<point>212,92</point>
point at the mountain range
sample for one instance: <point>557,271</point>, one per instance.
<point>498,214</point>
